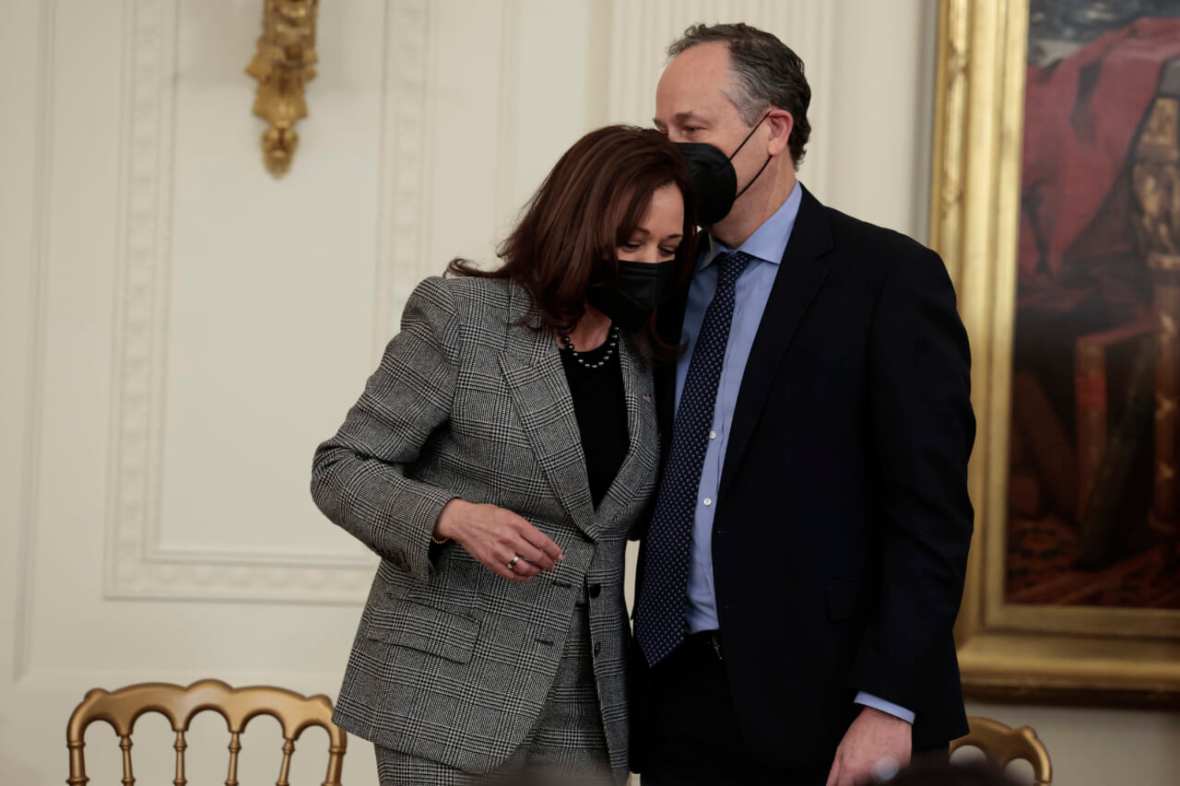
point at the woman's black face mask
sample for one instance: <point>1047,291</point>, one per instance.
<point>638,289</point>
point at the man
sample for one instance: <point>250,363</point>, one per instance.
<point>803,566</point>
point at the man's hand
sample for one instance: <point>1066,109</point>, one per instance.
<point>876,743</point>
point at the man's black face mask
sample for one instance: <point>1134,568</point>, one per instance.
<point>713,178</point>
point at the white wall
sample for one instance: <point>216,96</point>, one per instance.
<point>178,330</point>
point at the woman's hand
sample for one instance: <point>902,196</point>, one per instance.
<point>495,536</point>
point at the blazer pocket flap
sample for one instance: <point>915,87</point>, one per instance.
<point>842,599</point>
<point>424,628</point>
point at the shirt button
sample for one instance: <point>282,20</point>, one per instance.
<point>708,501</point>
<point>712,435</point>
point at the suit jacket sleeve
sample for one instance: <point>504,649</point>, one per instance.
<point>361,477</point>
<point>922,430</point>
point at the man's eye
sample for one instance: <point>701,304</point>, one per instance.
<point>691,129</point>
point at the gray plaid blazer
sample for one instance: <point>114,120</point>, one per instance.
<point>451,662</point>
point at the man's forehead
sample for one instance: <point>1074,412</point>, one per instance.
<point>694,82</point>
<point>697,104</point>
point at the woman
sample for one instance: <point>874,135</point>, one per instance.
<point>496,461</point>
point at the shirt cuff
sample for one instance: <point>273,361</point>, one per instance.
<point>887,707</point>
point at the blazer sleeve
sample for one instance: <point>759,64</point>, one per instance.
<point>362,477</point>
<point>921,429</point>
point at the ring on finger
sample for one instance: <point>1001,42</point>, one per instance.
<point>512,562</point>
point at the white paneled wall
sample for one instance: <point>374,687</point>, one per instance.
<point>178,330</point>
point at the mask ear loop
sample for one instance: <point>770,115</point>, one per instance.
<point>739,148</point>
<point>747,139</point>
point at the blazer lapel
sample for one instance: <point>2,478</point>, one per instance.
<point>800,276</point>
<point>636,476</point>
<point>536,382</point>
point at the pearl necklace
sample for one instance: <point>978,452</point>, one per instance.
<point>612,345</point>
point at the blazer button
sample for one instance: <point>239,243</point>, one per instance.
<point>595,590</point>
<point>597,648</point>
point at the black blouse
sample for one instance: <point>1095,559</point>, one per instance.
<point>601,410</point>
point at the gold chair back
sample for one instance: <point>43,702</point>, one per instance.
<point>1003,745</point>
<point>180,704</point>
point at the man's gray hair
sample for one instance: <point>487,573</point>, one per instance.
<point>767,73</point>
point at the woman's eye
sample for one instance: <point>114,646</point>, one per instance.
<point>632,246</point>
<point>668,252</point>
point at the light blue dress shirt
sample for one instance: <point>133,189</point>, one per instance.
<point>766,246</point>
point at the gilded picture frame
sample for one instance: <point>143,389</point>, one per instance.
<point>1077,654</point>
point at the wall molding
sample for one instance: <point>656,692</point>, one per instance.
<point>41,682</point>
<point>30,487</point>
<point>405,153</point>
<point>136,565</point>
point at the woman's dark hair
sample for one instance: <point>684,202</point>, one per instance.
<point>590,203</point>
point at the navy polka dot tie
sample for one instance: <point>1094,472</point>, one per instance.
<point>661,616</point>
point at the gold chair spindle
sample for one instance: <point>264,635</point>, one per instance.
<point>181,746</point>
<point>285,769</point>
<point>77,764</point>
<point>235,747</point>
<point>125,744</point>
<point>335,766</point>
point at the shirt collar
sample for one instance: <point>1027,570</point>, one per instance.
<point>769,241</point>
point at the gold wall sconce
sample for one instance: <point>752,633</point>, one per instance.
<point>283,64</point>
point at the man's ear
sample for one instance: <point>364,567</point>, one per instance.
<point>781,124</point>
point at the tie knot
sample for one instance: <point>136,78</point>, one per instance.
<point>732,265</point>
